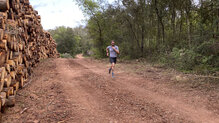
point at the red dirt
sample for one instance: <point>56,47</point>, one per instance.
<point>81,90</point>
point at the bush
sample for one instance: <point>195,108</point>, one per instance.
<point>97,53</point>
<point>66,55</point>
<point>204,69</point>
<point>184,59</point>
<point>208,48</point>
<point>189,60</point>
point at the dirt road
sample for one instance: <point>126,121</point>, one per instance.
<point>81,91</point>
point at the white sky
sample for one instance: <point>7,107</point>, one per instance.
<point>56,13</point>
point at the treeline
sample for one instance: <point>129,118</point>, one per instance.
<point>181,33</point>
<point>71,41</point>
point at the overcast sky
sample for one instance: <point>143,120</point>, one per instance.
<point>56,13</point>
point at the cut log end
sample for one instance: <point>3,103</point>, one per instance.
<point>4,5</point>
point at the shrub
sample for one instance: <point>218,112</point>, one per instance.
<point>184,59</point>
<point>66,55</point>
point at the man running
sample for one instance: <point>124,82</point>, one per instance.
<point>113,50</point>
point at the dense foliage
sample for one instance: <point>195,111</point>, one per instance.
<point>71,41</point>
<point>182,33</point>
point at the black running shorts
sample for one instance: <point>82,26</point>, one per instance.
<point>113,60</point>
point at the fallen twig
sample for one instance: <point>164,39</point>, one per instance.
<point>23,110</point>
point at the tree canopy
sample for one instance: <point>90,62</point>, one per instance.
<point>71,41</point>
<point>183,33</point>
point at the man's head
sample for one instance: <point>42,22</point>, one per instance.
<point>113,43</point>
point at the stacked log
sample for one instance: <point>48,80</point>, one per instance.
<point>23,44</point>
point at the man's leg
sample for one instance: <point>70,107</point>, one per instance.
<point>113,67</point>
<point>110,69</point>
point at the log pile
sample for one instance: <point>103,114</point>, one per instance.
<point>23,43</point>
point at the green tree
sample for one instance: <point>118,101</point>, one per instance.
<point>72,40</point>
<point>83,39</point>
<point>154,28</point>
<point>65,39</point>
<point>95,23</point>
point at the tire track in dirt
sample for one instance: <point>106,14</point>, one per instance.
<point>81,91</point>
<point>126,102</point>
<point>85,105</point>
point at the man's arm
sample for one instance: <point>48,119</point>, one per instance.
<point>107,51</point>
<point>117,50</point>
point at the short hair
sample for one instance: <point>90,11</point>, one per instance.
<point>112,41</point>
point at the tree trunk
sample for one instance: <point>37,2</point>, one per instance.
<point>135,37</point>
<point>212,20</point>
<point>217,28</point>
<point>163,32</point>
<point>160,21</point>
<point>181,24</point>
<point>201,10</point>
<point>101,38</point>
<point>173,22</point>
<point>188,9</point>
<point>188,29</point>
<point>142,40</point>
<point>143,27</point>
<point>158,30</point>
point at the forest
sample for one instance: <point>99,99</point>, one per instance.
<point>183,34</point>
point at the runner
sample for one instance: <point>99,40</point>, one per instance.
<point>113,50</point>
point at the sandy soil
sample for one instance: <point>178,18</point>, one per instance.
<point>82,91</point>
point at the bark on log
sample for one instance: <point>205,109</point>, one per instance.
<point>2,58</point>
<point>3,45</point>
<point>7,81</point>
<point>3,98</point>
<point>4,5</point>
